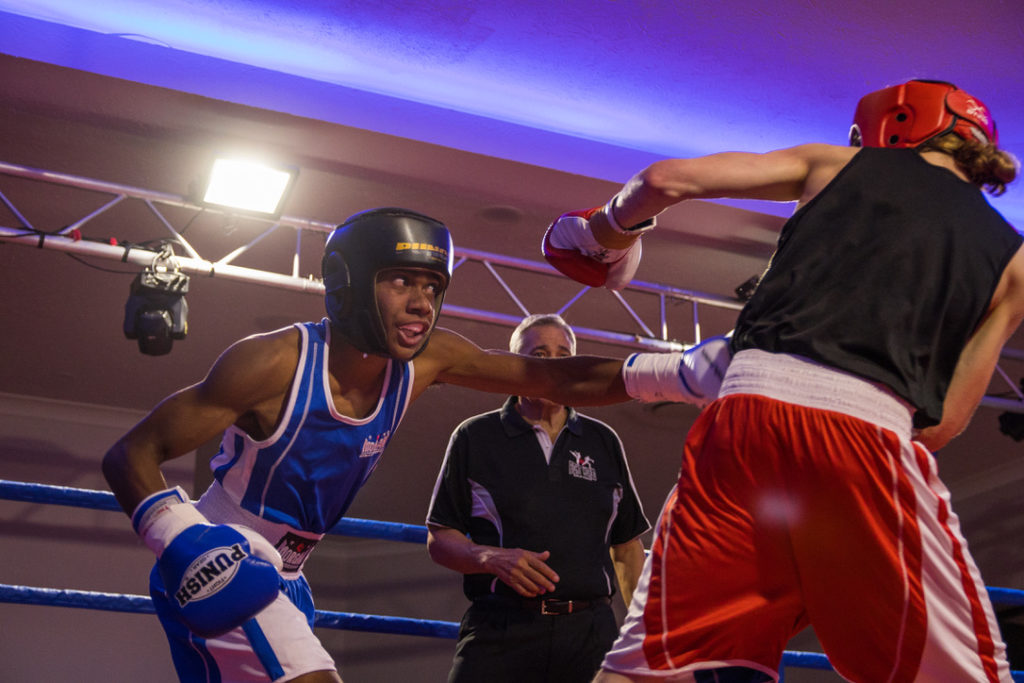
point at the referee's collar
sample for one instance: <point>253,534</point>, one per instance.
<point>515,424</point>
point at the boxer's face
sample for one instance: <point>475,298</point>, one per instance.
<point>407,299</point>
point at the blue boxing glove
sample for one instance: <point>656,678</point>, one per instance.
<point>216,576</point>
<point>693,376</point>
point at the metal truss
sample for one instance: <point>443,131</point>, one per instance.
<point>651,335</point>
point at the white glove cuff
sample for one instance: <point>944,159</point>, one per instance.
<point>651,377</point>
<point>162,516</point>
<point>638,229</point>
<point>573,232</point>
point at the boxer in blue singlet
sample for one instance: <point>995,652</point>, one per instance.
<point>305,412</point>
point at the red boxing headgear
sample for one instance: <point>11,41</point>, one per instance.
<point>909,115</point>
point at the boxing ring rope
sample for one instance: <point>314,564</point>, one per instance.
<point>104,500</point>
<point>354,527</point>
<point>140,604</point>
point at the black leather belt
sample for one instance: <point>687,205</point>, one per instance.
<point>546,606</point>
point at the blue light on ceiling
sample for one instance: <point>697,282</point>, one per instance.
<point>560,91</point>
<point>215,30</point>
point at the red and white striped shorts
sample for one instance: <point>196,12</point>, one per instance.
<point>803,500</point>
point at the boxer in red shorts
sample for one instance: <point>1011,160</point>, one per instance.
<point>808,492</point>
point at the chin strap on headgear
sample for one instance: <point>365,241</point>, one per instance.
<point>910,114</point>
<point>362,246</point>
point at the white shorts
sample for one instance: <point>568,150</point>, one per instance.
<point>277,644</point>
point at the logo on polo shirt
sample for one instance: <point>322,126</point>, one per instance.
<point>582,466</point>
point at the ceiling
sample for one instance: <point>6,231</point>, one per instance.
<point>592,88</point>
<point>494,117</point>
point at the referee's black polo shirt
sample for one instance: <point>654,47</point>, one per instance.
<point>496,486</point>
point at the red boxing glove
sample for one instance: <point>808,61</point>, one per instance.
<point>569,246</point>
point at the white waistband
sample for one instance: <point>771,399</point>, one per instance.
<point>794,379</point>
<point>218,507</point>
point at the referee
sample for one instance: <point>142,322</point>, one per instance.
<point>535,505</point>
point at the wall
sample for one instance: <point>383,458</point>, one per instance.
<point>61,443</point>
<point>53,442</point>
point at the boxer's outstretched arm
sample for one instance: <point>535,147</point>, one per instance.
<point>785,175</point>
<point>576,380</point>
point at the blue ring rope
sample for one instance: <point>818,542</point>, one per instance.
<point>140,604</point>
<point>113,602</point>
<point>362,528</point>
<point>349,526</point>
<point>104,500</point>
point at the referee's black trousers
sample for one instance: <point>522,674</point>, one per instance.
<point>513,642</point>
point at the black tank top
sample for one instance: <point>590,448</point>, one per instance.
<point>884,274</point>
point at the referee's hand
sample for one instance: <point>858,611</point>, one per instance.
<point>525,571</point>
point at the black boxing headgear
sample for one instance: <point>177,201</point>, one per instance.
<point>910,114</point>
<point>362,246</point>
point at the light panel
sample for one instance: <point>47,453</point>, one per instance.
<point>249,186</point>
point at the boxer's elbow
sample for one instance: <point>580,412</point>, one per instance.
<point>670,180</point>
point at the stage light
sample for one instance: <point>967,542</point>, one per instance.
<point>248,186</point>
<point>156,312</point>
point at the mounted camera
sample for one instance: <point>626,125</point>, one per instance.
<point>156,312</point>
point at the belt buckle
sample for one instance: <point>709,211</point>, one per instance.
<point>544,610</point>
